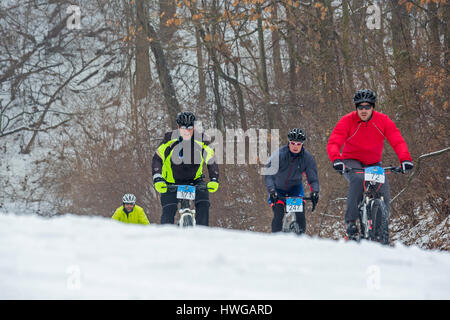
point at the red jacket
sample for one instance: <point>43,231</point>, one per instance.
<point>363,141</point>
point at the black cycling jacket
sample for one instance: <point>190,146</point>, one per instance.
<point>179,161</point>
<point>291,168</point>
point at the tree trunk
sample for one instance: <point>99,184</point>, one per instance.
<point>291,41</point>
<point>346,34</point>
<point>434,35</point>
<point>276,51</point>
<point>271,121</point>
<point>201,72</point>
<point>220,123</point>
<point>143,75</point>
<point>167,10</point>
<point>165,79</point>
<point>446,30</point>
<point>401,40</point>
<point>240,96</point>
<point>405,93</point>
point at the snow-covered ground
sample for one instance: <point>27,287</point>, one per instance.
<point>73,257</point>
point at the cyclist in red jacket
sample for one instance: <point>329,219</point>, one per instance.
<point>361,135</point>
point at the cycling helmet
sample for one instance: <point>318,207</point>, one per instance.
<point>364,95</point>
<point>296,134</point>
<point>129,198</point>
<point>185,119</point>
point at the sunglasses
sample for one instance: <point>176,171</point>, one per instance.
<point>360,107</point>
<point>188,128</point>
<point>125,203</point>
<point>294,143</point>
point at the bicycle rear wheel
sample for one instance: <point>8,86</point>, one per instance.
<point>380,222</point>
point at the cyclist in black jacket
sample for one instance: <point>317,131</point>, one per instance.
<point>293,161</point>
<point>180,160</point>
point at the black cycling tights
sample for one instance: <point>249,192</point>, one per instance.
<point>169,207</point>
<point>277,221</point>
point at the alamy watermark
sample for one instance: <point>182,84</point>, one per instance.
<point>74,277</point>
<point>225,144</point>
<point>373,17</point>
<point>373,280</point>
<point>74,19</point>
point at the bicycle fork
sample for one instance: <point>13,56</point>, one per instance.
<point>366,223</point>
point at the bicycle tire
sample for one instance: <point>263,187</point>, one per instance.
<point>380,222</point>
<point>294,227</point>
<point>188,221</point>
<point>363,221</point>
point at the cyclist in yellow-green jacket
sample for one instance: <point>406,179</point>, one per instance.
<point>129,212</point>
<point>180,159</point>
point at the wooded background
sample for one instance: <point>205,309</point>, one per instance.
<point>95,98</point>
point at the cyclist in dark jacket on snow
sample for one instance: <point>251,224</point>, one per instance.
<point>180,159</point>
<point>294,160</point>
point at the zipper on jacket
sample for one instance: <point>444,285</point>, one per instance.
<point>289,174</point>
<point>359,125</point>
<point>378,129</point>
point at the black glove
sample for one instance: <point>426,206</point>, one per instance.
<point>314,199</point>
<point>339,166</point>
<point>406,166</point>
<point>273,196</point>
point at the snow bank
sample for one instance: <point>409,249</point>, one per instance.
<point>72,257</point>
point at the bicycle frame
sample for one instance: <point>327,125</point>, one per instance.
<point>289,219</point>
<point>187,214</point>
<point>370,195</point>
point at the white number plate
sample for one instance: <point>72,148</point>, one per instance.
<point>186,192</point>
<point>294,204</point>
<point>374,174</point>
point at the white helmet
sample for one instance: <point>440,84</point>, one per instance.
<point>129,198</point>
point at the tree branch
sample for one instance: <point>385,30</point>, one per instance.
<point>432,154</point>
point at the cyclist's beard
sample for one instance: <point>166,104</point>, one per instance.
<point>125,209</point>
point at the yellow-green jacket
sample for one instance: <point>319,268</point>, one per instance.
<point>178,161</point>
<point>137,215</point>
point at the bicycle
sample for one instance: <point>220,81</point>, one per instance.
<point>373,213</point>
<point>292,205</point>
<point>186,195</point>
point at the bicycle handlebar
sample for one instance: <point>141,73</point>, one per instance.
<point>174,187</point>
<point>284,197</point>
<point>397,169</point>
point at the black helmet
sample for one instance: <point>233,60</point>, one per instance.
<point>365,95</point>
<point>297,134</point>
<point>185,119</point>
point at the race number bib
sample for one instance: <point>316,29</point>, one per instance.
<point>294,204</point>
<point>186,192</point>
<point>374,174</point>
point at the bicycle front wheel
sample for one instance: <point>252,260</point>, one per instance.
<point>295,228</point>
<point>187,220</point>
<point>380,222</point>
